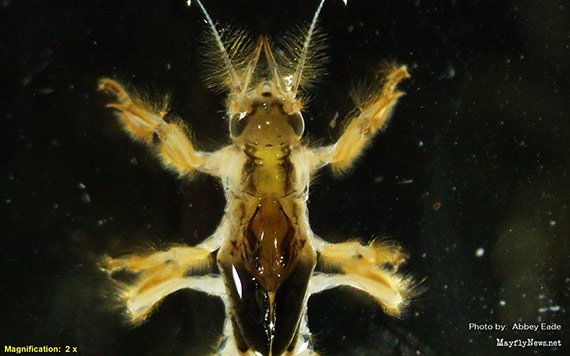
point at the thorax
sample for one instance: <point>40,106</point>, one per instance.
<point>268,173</point>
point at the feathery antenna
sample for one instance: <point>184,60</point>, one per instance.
<point>227,60</point>
<point>301,64</point>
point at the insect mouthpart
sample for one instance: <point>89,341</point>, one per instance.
<point>266,89</point>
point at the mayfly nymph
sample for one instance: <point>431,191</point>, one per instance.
<point>261,259</point>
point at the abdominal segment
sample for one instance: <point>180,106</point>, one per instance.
<point>267,278</point>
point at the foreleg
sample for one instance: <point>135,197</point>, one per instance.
<point>143,120</point>
<point>362,128</point>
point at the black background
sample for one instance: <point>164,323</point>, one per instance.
<point>476,158</point>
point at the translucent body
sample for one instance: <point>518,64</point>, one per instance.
<point>265,250</point>
<point>266,200</point>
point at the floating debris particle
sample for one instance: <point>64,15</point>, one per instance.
<point>480,252</point>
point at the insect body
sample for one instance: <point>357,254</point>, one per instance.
<point>264,248</point>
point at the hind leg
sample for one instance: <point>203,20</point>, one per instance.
<point>158,275</point>
<point>369,268</point>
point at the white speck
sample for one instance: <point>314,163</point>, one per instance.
<point>81,186</point>
<point>552,222</point>
<point>333,121</point>
<point>85,197</point>
<point>378,179</point>
<point>189,2</point>
<point>553,308</point>
<point>421,144</point>
<point>480,252</point>
<point>304,346</point>
<point>46,90</point>
<point>237,281</point>
<point>502,303</point>
<point>406,181</point>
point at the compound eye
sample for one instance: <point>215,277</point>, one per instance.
<point>238,122</point>
<point>297,123</point>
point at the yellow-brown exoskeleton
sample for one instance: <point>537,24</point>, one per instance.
<point>265,250</point>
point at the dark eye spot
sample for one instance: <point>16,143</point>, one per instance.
<point>237,124</point>
<point>297,123</point>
